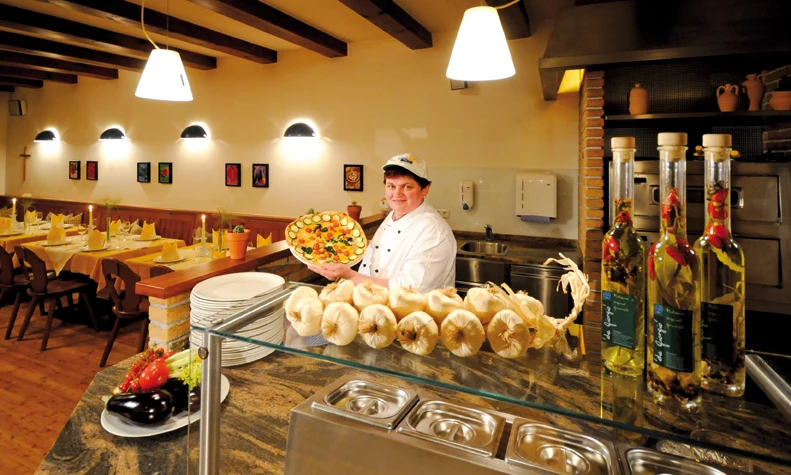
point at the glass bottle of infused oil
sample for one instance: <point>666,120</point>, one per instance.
<point>673,323</point>
<point>721,291</point>
<point>623,281</point>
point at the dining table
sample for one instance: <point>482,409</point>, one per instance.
<point>35,233</point>
<point>190,256</point>
<point>75,257</point>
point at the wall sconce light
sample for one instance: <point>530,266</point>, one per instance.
<point>113,133</point>
<point>194,131</point>
<point>300,129</point>
<point>46,136</point>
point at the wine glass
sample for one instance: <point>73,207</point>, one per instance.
<point>39,216</point>
<point>124,228</point>
<point>82,230</point>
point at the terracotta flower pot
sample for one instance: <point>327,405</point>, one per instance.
<point>237,243</point>
<point>780,100</point>
<point>354,210</point>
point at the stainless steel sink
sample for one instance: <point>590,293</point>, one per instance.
<point>485,247</point>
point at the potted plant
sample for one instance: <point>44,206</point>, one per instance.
<point>354,210</point>
<point>781,97</point>
<point>237,242</point>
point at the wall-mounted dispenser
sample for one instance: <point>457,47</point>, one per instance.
<point>536,196</point>
<point>466,194</point>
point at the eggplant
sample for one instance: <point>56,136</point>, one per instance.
<point>182,395</point>
<point>142,408</point>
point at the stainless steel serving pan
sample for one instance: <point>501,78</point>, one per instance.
<point>373,403</point>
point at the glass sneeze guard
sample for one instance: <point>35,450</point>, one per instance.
<point>559,380</point>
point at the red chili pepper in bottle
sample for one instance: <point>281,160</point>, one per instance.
<point>623,217</point>
<point>676,255</point>
<point>651,269</point>
<point>611,249</point>
<point>686,250</point>
<point>672,198</point>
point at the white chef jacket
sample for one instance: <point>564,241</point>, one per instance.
<point>418,250</point>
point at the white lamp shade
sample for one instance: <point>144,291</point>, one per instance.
<point>481,50</point>
<point>164,78</point>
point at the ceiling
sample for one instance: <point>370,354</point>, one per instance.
<point>103,35</point>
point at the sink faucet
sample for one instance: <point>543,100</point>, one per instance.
<point>489,234</point>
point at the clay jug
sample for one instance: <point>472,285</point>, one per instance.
<point>754,87</point>
<point>638,100</point>
<point>727,97</point>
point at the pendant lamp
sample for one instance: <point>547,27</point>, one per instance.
<point>481,50</point>
<point>164,77</point>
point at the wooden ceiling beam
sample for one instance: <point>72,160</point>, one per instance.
<point>39,63</point>
<point>7,88</point>
<point>52,49</point>
<point>13,71</point>
<point>516,23</point>
<point>58,29</point>
<point>9,81</point>
<point>270,20</point>
<point>126,13</point>
<point>393,20</point>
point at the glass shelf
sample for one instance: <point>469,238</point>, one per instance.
<point>561,380</point>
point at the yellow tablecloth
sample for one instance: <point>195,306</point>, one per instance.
<point>8,242</point>
<point>142,265</point>
<point>71,256</point>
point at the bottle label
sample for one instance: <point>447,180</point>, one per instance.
<point>617,313</point>
<point>716,322</point>
<point>673,345</point>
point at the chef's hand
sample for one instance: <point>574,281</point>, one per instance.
<point>333,272</point>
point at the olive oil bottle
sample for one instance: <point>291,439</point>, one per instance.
<point>623,273</point>
<point>673,322</point>
<point>721,278</point>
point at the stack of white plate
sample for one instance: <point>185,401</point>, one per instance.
<point>227,294</point>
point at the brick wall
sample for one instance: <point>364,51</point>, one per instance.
<point>776,137</point>
<point>591,196</point>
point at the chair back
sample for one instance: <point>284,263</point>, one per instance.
<point>128,301</point>
<point>156,271</point>
<point>6,267</point>
<point>38,268</point>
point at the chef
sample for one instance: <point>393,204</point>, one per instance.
<point>414,246</point>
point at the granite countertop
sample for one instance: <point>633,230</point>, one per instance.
<point>255,416</point>
<point>529,250</point>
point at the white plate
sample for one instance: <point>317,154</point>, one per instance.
<point>85,249</point>
<point>241,286</point>
<point>65,226</point>
<point>117,425</point>
<point>46,244</point>
<point>154,239</point>
<point>159,260</point>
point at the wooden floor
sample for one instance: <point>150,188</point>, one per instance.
<point>38,391</point>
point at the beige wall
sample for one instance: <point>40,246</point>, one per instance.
<point>381,100</point>
<point>3,139</point>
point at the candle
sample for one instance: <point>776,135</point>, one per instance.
<point>90,216</point>
<point>13,210</point>
<point>203,230</point>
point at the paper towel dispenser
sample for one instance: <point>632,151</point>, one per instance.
<point>536,196</point>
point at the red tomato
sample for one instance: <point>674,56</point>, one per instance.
<point>316,247</point>
<point>154,376</point>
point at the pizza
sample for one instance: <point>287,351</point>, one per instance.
<point>326,237</point>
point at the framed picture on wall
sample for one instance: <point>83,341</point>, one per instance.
<point>144,172</point>
<point>91,170</point>
<point>233,174</point>
<point>260,175</point>
<point>353,178</point>
<point>74,169</point>
<point>166,172</point>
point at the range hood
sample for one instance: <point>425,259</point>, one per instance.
<point>646,30</point>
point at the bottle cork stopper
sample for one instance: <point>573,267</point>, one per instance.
<point>672,138</point>
<point>622,142</point>
<point>717,140</point>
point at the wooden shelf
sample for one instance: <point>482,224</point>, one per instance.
<point>698,119</point>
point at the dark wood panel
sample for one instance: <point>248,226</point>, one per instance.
<point>514,18</point>
<point>34,74</point>
<point>19,82</point>
<point>393,20</point>
<point>40,63</point>
<point>127,13</point>
<point>58,29</point>
<point>270,20</point>
<point>6,88</point>
<point>52,49</point>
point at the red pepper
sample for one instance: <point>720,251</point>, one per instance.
<point>624,217</point>
<point>668,214</point>
<point>651,270</point>
<point>611,249</point>
<point>720,196</point>
<point>717,235</point>
<point>717,210</point>
<point>689,253</point>
<point>672,198</point>
<point>676,255</point>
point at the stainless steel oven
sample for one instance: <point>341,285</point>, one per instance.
<point>761,221</point>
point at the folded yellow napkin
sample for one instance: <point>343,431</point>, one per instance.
<point>149,232</point>
<point>56,234</point>
<point>31,217</point>
<point>96,240</point>
<point>56,220</point>
<point>114,225</point>
<point>6,226</point>
<point>215,239</point>
<point>261,242</point>
<point>170,252</point>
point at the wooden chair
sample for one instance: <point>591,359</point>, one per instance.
<point>10,282</point>
<point>126,304</point>
<point>42,288</point>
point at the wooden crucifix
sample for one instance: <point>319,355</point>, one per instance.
<point>24,156</point>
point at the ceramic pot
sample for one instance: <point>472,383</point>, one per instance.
<point>780,100</point>
<point>638,100</point>
<point>237,243</point>
<point>754,87</point>
<point>354,211</point>
<point>727,97</point>
<point>384,205</point>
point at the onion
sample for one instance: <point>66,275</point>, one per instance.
<point>340,291</point>
<point>485,301</point>
<point>368,293</point>
<point>440,302</point>
<point>405,300</point>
